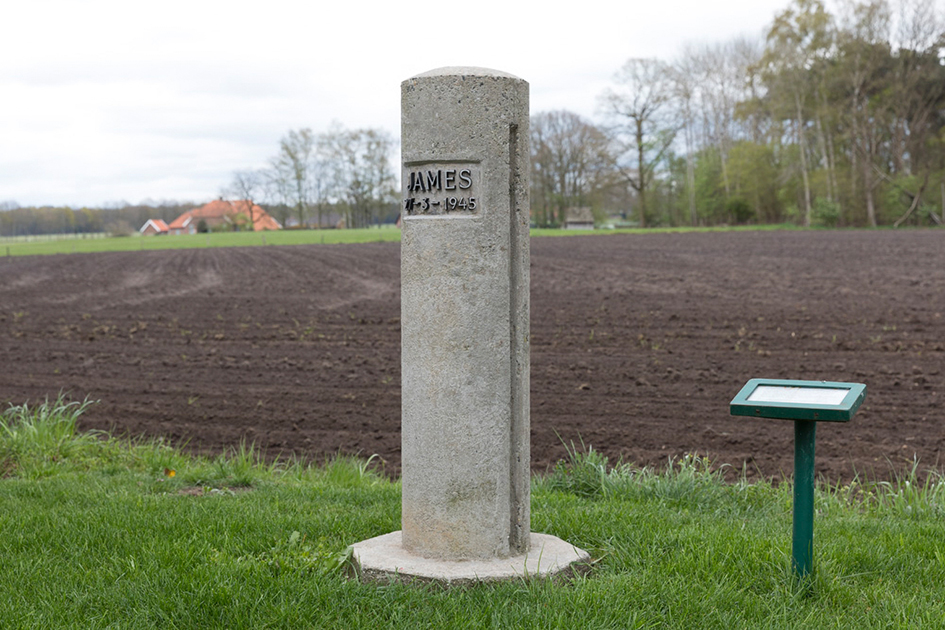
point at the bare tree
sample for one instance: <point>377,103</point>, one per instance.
<point>685,93</point>
<point>798,40</point>
<point>246,186</point>
<point>919,86</point>
<point>639,108</point>
<point>572,164</point>
<point>320,185</point>
<point>361,177</point>
<point>862,55</point>
<point>292,170</point>
<point>277,191</point>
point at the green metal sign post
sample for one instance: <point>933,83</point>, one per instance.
<point>802,553</point>
<point>806,403</point>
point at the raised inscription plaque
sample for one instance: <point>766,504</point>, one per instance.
<point>438,188</point>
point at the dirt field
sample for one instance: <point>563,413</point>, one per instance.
<point>638,344</point>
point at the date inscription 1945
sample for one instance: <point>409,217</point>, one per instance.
<point>443,189</point>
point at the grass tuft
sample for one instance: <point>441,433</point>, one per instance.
<point>583,473</point>
<point>691,480</point>
<point>31,435</point>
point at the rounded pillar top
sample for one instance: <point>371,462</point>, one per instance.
<point>466,71</point>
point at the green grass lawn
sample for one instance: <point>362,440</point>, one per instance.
<point>97,532</point>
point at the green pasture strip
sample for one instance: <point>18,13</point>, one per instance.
<point>103,533</point>
<point>294,237</point>
<point>197,241</point>
<point>667,230</point>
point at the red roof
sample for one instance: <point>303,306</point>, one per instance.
<point>220,209</point>
<point>181,221</point>
<point>159,225</point>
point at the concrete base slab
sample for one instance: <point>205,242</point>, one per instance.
<point>384,559</point>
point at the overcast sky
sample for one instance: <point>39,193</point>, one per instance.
<point>107,101</point>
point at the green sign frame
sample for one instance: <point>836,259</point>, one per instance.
<point>801,410</point>
<point>806,403</point>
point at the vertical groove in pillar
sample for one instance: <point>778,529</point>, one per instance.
<point>519,498</point>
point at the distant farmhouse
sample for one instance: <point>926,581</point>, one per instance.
<point>154,227</point>
<point>216,215</point>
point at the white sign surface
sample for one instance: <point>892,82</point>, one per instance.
<point>799,395</point>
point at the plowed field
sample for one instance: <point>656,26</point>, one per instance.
<point>638,344</point>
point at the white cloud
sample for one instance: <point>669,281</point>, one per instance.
<point>120,100</point>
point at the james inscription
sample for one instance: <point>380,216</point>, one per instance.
<point>440,189</point>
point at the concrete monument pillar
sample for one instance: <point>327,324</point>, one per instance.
<point>465,335</point>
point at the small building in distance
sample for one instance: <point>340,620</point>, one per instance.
<point>154,227</point>
<point>222,214</point>
<point>579,219</point>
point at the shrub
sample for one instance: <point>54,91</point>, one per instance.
<point>740,210</point>
<point>120,228</point>
<point>825,213</point>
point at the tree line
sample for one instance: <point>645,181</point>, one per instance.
<point>832,119</point>
<point>118,220</point>
<point>336,177</point>
<point>339,177</point>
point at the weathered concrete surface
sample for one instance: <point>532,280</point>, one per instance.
<point>464,315</point>
<point>384,559</point>
<point>465,340</point>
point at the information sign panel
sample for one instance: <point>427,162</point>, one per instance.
<point>805,402</point>
<point>799,400</point>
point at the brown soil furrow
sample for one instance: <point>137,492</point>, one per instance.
<point>638,344</point>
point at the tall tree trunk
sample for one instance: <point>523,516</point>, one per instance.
<point>301,197</point>
<point>855,143</point>
<point>691,188</point>
<point>803,148</point>
<point>825,161</point>
<point>641,173</point>
<point>832,160</point>
<point>870,206</point>
<point>899,145</point>
<point>728,192</point>
<point>868,183</point>
<point>690,167</point>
